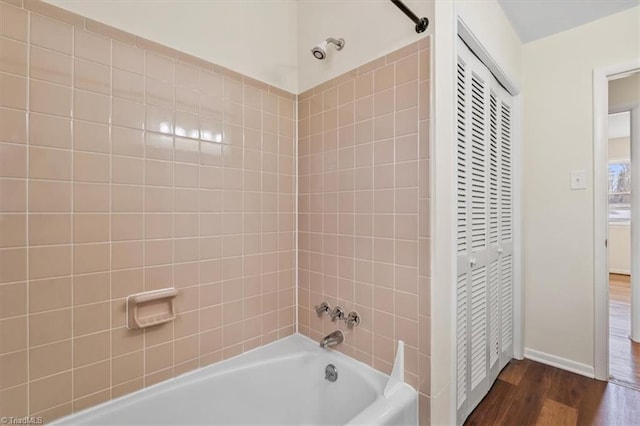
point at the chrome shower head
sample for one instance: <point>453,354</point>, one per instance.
<point>320,51</point>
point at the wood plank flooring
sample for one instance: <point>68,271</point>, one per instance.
<point>530,393</point>
<point>624,355</point>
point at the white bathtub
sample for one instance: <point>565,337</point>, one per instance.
<point>282,383</point>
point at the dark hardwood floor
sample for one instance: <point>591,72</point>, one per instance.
<point>624,355</point>
<point>530,393</point>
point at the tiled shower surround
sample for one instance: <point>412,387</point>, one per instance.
<point>127,166</point>
<point>363,200</point>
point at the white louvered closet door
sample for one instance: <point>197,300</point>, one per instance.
<point>484,308</point>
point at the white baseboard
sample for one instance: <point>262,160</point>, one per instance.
<point>563,363</point>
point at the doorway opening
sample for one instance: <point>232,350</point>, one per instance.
<point>624,354</point>
<point>616,93</point>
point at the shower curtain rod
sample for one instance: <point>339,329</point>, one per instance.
<point>421,23</point>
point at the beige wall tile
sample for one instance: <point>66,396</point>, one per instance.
<point>90,197</point>
<point>89,167</point>
<point>91,106</point>
<point>127,114</point>
<point>89,228</point>
<point>49,163</point>
<point>158,145</point>
<point>13,160</point>
<point>49,327</point>
<point>14,58</point>
<point>91,378</point>
<point>13,22</point>
<point>91,400</point>
<point>127,57</point>
<point>49,294</point>
<point>148,206</point>
<point>128,85</point>
<point>92,47</point>
<point>45,130</point>
<point>49,98</point>
<point>91,288</point>
<point>16,398</point>
<point>127,367</point>
<point>91,258</point>
<point>159,67</point>
<point>381,100</point>
<point>126,254</point>
<point>13,369</point>
<point>91,318</point>
<point>49,359</point>
<point>14,91</point>
<point>13,334</point>
<point>49,261</point>
<point>13,229</point>
<point>14,195</point>
<point>92,77</point>
<point>47,228</point>
<point>124,341</point>
<point>50,66</point>
<point>158,357</point>
<point>13,126</point>
<point>127,387</point>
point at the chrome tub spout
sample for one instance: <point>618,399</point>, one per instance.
<point>332,339</point>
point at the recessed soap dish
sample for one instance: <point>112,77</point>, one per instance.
<point>151,308</point>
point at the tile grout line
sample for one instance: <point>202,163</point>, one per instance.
<point>110,219</point>
<point>173,212</point>
<point>27,215</point>
<point>199,233</point>
<point>296,211</point>
<point>144,210</point>
<point>72,184</point>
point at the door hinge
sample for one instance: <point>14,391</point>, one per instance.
<point>606,240</point>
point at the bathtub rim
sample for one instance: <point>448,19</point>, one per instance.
<point>302,346</point>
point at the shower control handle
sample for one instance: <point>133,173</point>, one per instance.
<point>323,308</point>
<point>337,313</point>
<point>353,319</point>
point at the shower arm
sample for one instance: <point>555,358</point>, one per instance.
<point>421,23</point>
<point>339,42</point>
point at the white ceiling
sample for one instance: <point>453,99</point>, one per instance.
<point>619,125</point>
<point>534,19</point>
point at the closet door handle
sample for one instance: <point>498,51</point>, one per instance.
<point>472,262</point>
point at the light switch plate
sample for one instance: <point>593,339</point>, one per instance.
<point>578,179</point>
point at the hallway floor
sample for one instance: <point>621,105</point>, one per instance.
<point>624,355</point>
<point>530,393</point>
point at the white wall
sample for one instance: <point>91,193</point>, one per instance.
<point>558,129</point>
<point>371,28</point>
<point>256,38</point>
<point>442,221</point>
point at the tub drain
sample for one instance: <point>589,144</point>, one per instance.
<point>331,373</point>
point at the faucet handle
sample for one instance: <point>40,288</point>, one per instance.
<point>353,319</point>
<point>323,308</point>
<point>337,313</point>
